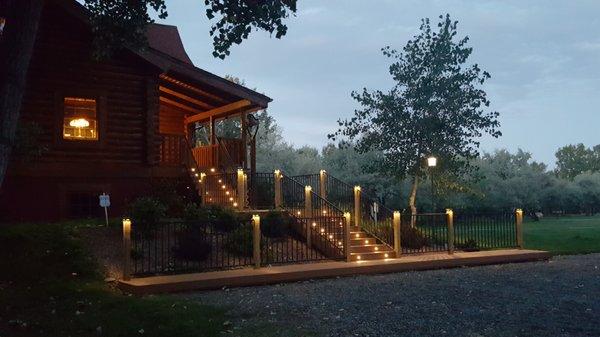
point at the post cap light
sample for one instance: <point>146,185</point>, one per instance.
<point>126,225</point>
<point>322,172</point>
<point>277,172</point>
<point>432,161</point>
<point>356,188</point>
<point>255,218</point>
<point>212,170</point>
<point>519,211</point>
<point>449,211</point>
<point>308,188</point>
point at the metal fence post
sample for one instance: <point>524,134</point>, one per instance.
<point>256,240</point>
<point>450,222</point>
<point>126,249</point>
<point>322,184</point>
<point>347,235</point>
<point>277,180</point>
<point>519,225</point>
<point>357,206</point>
<point>397,233</point>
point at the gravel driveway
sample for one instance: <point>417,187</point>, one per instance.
<point>556,298</point>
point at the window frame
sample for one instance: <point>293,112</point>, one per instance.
<point>100,98</point>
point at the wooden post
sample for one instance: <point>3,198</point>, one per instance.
<point>243,137</point>
<point>213,136</point>
<point>202,182</point>
<point>241,193</point>
<point>519,225</point>
<point>278,196</point>
<point>450,222</point>
<point>397,233</point>
<point>256,240</point>
<point>347,235</point>
<point>308,202</point>
<point>126,249</point>
<point>357,212</point>
<point>322,184</point>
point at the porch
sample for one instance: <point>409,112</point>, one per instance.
<point>293,273</point>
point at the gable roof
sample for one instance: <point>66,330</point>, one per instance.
<point>166,52</point>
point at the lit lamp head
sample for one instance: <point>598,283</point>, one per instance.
<point>79,123</point>
<point>431,161</point>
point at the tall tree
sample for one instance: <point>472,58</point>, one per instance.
<point>572,160</point>
<point>437,107</point>
<point>116,24</point>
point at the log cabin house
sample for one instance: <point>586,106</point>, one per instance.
<point>117,125</point>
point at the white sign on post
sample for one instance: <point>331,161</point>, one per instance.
<point>105,203</point>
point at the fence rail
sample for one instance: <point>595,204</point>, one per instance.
<point>485,231</point>
<point>424,233</point>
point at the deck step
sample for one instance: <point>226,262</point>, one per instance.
<point>362,241</point>
<point>369,248</point>
<point>372,256</point>
<point>357,235</point>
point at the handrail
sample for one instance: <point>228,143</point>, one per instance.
<point>230,162</point>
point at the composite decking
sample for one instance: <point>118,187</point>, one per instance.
<point>298,272</point>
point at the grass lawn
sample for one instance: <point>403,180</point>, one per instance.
<point>565,235</point>
<point>50,286</point>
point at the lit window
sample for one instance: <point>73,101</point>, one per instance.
<point>80,122</point>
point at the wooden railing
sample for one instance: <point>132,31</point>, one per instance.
<point>227,153</point>
<point>206,156</point>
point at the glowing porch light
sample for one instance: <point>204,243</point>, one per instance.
<point>79,123</point>
<point>277,172</point>
<point>307,188</point>
<point>431,161</point>
<point>357,188</point>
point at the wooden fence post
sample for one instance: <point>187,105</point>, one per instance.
<point>357,212</point>
<point>308,213</point>
<point>397,233</point>
<point>450,222</point>
<point>202,182</point>
<point>256,240</point>
<point>322,184</point>
<point>240,189</point>
<point>347,235</point>
<point>519,225</point>
<point>126,249</point>
<point>278,197</point>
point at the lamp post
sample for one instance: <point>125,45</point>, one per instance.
<point>432,163</point>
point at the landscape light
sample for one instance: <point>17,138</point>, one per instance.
<point>432,161</point>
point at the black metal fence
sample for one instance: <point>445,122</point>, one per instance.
<point>220,189</point>
<point>424,233</point>
<point>261,191</point>
<point>485,231</point>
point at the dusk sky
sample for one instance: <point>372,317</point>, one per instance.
<point>544,58</point>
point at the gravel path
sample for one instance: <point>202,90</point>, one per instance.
<point>556,298</point>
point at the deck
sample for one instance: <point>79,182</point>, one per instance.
<point>299,272</point>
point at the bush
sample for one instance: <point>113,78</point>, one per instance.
<point>412,237</point>
<point>193,245</point>
<point>222,219</point>
<point>239,241</point>
<point>194,213</point>
<point>275,224</point>
<point>146,212</point>
<point>469,245</point>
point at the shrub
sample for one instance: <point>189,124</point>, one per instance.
<point>239,241</point>
<point>469,245</point>
<point>193,245</point>
<point>275,224</point>
<point>412,237</point>
<point>146,212</point>
<point>222,219</point>
<point>194,213</point>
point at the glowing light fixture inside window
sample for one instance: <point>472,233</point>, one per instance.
<point>80,122</point>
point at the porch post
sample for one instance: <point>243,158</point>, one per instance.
<point>213,137</point>
<point>241,190</point>
<point>126,249</point>
<point>397,233</point>
<point>278,197</point>
<point>519,227</point>
<point>450,222</point>
<point>357,206</point>
<point>322,185</point>
<point>256,240</point>
<point>347,235</point>
<point>244,138</point>
<point>308,202</point>
<point>202,184</point>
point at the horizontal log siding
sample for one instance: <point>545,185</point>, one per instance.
<point>62,65</point>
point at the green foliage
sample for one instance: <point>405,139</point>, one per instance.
<point>563,235</point>
<point>436,107</point>
<point>276,224</point>
<point>468,245</point>
<point>121,23</point>
<point>572,160</point>
<point>36,254</point>
<point>193,245</point>
<point>146,212</point>
<point>193,212</point>
<point>240,242</point>
<point>412,237</point>
<point>223,219</point>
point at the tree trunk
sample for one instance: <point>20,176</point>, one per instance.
<point>16,47</point>
<point>412,200</point>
